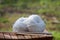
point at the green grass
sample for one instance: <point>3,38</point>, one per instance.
<point>56,35</point>
<point>6,29</point>
<point>3,20</point>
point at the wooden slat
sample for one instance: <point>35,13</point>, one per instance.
<point>31,36</point>
<point>35,36</point>
<point>27,37</point>
<point>21,37</point>
<point>41,36</point>
<point>13,35</point>
<point>46,38</point>
<point>1,35</point>
<point>6,35</point>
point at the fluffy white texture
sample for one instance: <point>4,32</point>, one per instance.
<point>33,23</point>
<point>19,26</point>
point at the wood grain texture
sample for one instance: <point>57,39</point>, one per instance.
<point>25,36</point>
<point>7,35</point>
<point>1,35</point>
<point>13,35</point>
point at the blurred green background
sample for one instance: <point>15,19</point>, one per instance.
<point>49,10</point>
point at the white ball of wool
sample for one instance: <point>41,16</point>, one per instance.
<point>19,26</point>
<point>35,23</point>
<point>32,24</point>
<point>21,19</point>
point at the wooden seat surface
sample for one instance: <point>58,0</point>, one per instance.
<point>25,36</point>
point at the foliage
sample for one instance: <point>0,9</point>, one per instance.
<point>3,20</point>
<point>56,35</point>
<point>38,6</point>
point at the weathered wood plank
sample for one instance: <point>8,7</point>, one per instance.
<point>13,35</point>
<point>35,36</point>
<point>6,35</point>
<point>1,35</point>
<point>25,36</point>
<point>21,37</point>
<point>28,37</point>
